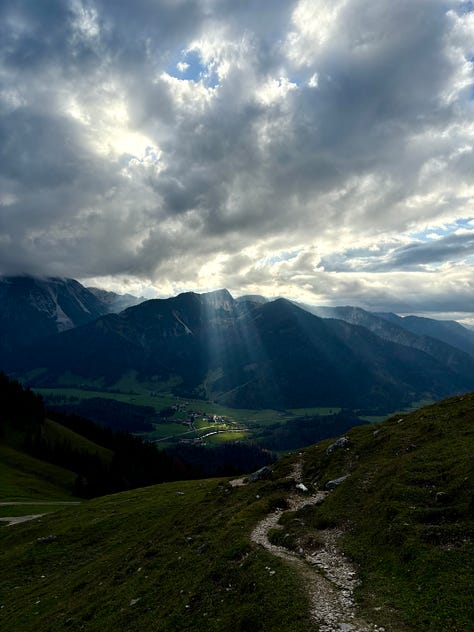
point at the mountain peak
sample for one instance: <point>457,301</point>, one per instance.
<point>218,299</point>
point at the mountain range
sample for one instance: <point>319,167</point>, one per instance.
<point>35,308</point>
<point>245,352</point>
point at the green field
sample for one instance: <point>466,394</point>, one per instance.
<point>142,396</point>
<point>226,437</point>
<point>254,424</point>
<point>168,433</point>
<point>159,401</point>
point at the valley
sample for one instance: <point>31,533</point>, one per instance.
<point>173,419</point>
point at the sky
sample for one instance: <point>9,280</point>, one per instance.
<point>320,150</point>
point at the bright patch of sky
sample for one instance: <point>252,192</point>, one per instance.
<point>275,258</point>
<point>435,232</point>
<point>191,68</point>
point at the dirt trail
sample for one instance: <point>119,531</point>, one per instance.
<point>328,576</point>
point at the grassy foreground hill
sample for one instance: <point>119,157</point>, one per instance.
<point>179,556</point>
<point>25,478</point>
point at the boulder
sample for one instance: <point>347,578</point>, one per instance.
<point>260,475</point>
<point>337,444</point>
<point>335,482</point>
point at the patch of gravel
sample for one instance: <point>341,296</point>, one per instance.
<point>237,482</point>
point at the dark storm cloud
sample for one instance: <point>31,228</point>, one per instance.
<point>450,248</point>
<point>414,256</point>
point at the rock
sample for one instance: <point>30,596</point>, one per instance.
<point>46,539</point>
<point>337,444</point>
<point>260,475</point>
<point>335,482</point>
<point>302,487</point>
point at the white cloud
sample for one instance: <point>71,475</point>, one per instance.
<point>274,90</point>
<point>314,23</point>
<point>334,130</point>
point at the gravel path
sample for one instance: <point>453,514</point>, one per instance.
<point>328,576</point>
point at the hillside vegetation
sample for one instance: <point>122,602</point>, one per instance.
<point>25,478</point>
<point>178,556</point>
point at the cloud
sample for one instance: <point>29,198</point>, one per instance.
<point>457,246</point>
<point>190,144</point>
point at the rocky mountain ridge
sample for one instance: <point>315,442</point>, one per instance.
<point>248,353</point>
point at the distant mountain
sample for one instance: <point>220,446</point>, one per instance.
<point>449,331</point>
<point>271,354</point>
<point>428,339</point>
<point>114,302</point>
<point>34,308</point>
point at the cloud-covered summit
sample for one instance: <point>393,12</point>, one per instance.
<point>319,150</point>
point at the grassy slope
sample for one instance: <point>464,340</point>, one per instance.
<point>408,507</point>
<point>54,433</point>
<point>183,549</point>
<point>24,478</point>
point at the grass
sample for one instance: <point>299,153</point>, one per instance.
<point>54,433</point>
<point>133,392</point>
<point>29,509</point>
<point>24,478</point>
<point>225,437</point>
<point>161,431</point>
<point>174,557</point>
<point>159,400</point>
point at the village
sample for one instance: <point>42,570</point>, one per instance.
<point>200,425</point>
